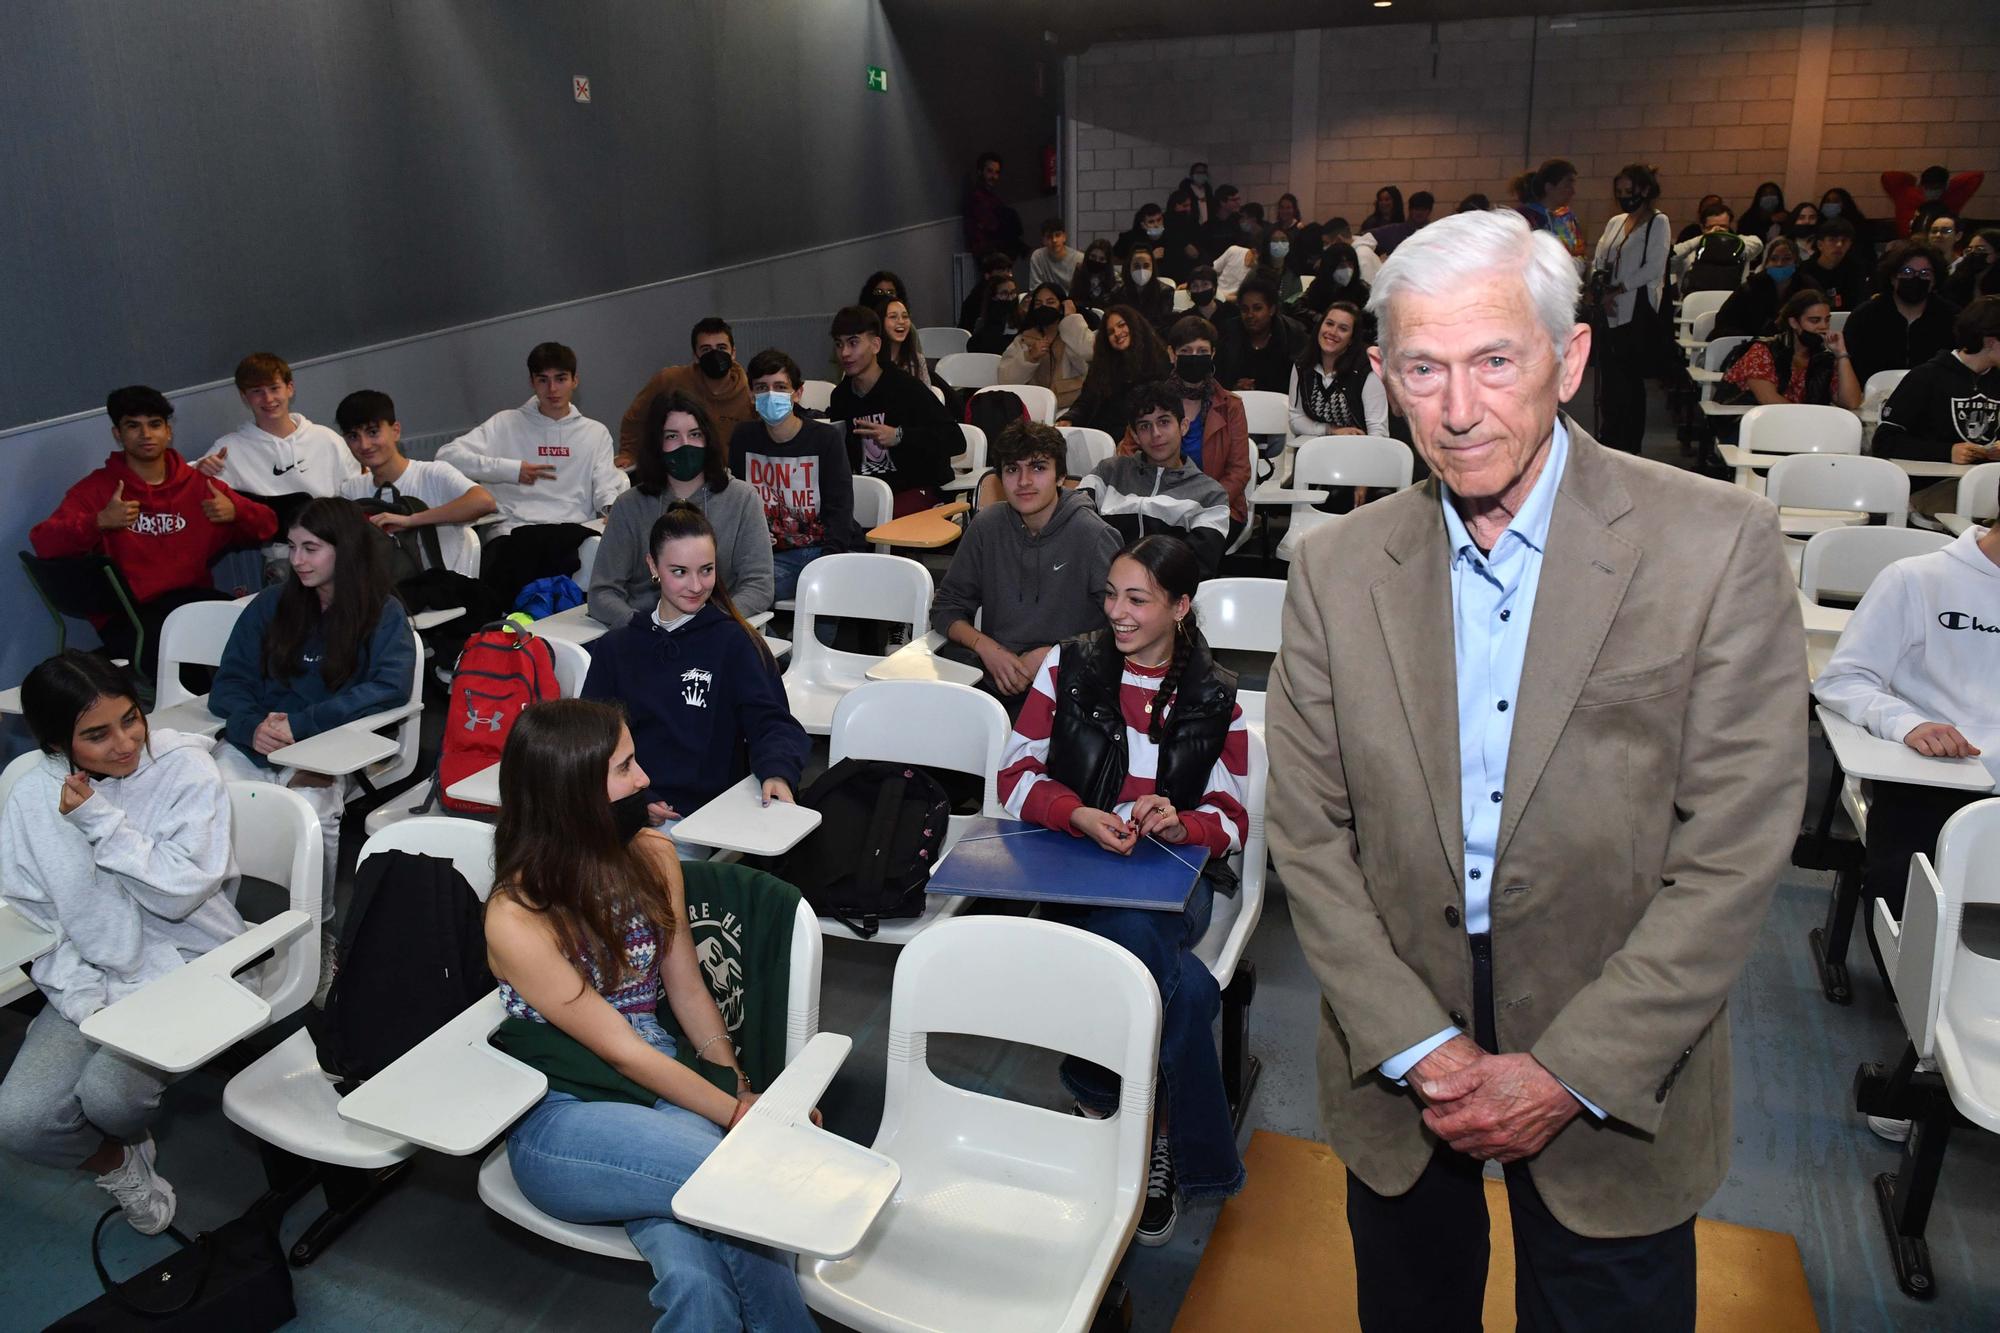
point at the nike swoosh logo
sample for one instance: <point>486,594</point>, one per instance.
<point>281,471</point>
<point>1057,569</point>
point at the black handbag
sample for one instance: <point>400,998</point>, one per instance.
<point>234,1278</point>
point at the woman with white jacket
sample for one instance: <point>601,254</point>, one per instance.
<point>1631,256</point>
<point>118,841</point>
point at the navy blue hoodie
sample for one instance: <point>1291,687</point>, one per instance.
<point>697,699</point>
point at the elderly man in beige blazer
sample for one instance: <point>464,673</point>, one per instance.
<point>1538,755</point>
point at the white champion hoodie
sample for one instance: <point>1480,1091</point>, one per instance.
<point>587,479</point>
<point>138,879</point>
<point>1924,646</point>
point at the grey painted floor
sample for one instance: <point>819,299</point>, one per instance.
<point>430,1257</point>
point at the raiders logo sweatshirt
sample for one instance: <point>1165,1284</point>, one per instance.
<point>1938,404</point>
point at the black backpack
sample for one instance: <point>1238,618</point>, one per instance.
<point>881,830</point>
<point>1716,264</point>
<point>413,550</point>
<point>412,957</point>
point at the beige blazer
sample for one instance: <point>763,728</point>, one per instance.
<point>1654,788</point>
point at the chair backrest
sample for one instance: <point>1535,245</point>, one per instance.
<point>1252,868</point>
<point>874,503</point>
<point>1241,614</point>
<point>1718,351</point>
<point>277,839</point>
<point>973,459</point>
<point>931,722</point>
<point>1704,324</point>
<point>1265,412</point>
<point>1800,428</point>
<point>816,394</point>
<point>572,665</point>
<point>409,731</point>
<point>1354,460</point>
<point>1877,390</point>
<point>802,992</point>
<point>1979,491</point>
<point>467,842</point>
<point>1088,447</point>
<point>969,370</point>
<point>193,635</point>
<point>863,584</point>
<point>1840,481</point>
<point>586,561</point>
<point>941,340</point>
<point>82,587</point>
<point>1040,402</point>
<point>1845,561</point>
<point>1937,981</point>
<point>1696,304</point>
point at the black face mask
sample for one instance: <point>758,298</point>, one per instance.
<point>1974,260</point>
<point>1193,367</point>
<point>1812,342</point>
<point>1912,291</point>
<point>715,363</point>
<point>628,814</point>
<point>1631,202</point>
<point>1201,295</point>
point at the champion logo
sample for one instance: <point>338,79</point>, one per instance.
<point>157,525</point>
<point>473,721</point>
<point>695,684</point>
<point>1966,620</point>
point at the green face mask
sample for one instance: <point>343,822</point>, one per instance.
<point>685,463</point>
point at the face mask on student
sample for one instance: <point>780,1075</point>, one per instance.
<point>685,464</point>
<point>1768,202</point>
<point>1812,342</point>
<point>1782,273</point>
<point>1342,276</point>
<point>1911,291</point>
<point>1201,295</point>
<point>1155,233</point>
<point>773,407</point>
<point>1139,276</point>
<point>1193,367</point>
<point>628,815</point>
<point>1830,209</point>
<point>715,363</point>
<point>1199,178</point>
<point>1249,225</point>
<point>1279,249</point>
<point>1631,202</point>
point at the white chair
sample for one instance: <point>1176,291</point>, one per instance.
<point>1696,304</point>
<point>1947,992</point>
<point>1709,373</point>
<point>1703,326</point>
<point>1183,300</point>
<point>874,505</point>
<point>1876,392</point>
<point>1842,563</point>
<point>816,394</point>
<point>863,585</point>
<point>586,561</point>
<point>1087,448</point>
<point>1008,1216</point>
<point>1343,460</point>
<point>1979,492</point>
<point>973,460</point>
<point>930,722</point>
<point>192,635</point>
<point>1844,488</point>
<point>1232,921</point>
<point>942,340</point>
<point>1040,402</point>
<point>1242,615</point>
<point>1265,412</point>
<point>186,1018</point>
<point>1800,428</point>
<point>360,750</point>
<point>969,370</point>
<point>286,1102</point>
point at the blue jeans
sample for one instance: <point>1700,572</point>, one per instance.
<point>601,1162</point>
<point>786,566</point>
<point>1191,1098</point>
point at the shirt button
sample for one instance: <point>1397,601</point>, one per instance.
<point>1457,1018</point>
<point>1506,615</point>
<point>1503,705</point>
<point>1496,798</point>
<point>1473,873</point>
<point>1451,916</point>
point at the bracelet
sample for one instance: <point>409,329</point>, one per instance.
<point>710,1042</point>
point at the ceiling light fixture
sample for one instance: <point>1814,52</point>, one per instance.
<point>1384,4</point>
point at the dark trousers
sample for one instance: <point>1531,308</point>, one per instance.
<point>1621,386</point>
<point>1420,1257</point>
<point>1904,819</point>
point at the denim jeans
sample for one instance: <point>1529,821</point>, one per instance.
<point>786,567</point>
<point>600,1162</point>
<point>1191,1098</point>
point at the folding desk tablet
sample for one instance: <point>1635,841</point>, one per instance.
<point>1006,858</point>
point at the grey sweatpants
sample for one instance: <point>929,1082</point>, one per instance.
<point>64,1095</point>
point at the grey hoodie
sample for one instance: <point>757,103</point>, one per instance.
<point>1035,588</point>
<point>620,586</point>
<point>137,880</point>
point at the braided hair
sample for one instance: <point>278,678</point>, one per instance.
<point>1172,565</point>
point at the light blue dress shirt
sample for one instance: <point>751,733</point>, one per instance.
<point>1492,606</point>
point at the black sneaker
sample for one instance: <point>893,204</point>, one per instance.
<point>1156,1219</point>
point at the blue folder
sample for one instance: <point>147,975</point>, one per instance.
<point>1006,858</point>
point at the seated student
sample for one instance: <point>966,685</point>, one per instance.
<point>713,379</point>
<point>548,466</point>
<point>1802,362</point>
<point>1702,210</point>
<point>683,461</point>
<point>1128,353</point>
<point>1388,209</point>
<point>1834,267</point>
<point>798,467</point>
<point>1146,236</point>
<point>1150,485</point>
<point>1095,280</point>
<point>1172,766</point>
<point>992,268</point>
<point>1217,435</point>
<point>1224,227</point>
<point>896,428</point>
<point>1054,261</point>
<point>280,453</point>
<point>1943,410</point>
<point>1389,235</point>
<point>1975,265</point>
<point>900,346</point>
<point>367,418</point>
<point>1140,290</point>
<point>327,646</point>
<point>587,932</point>
<point>699,686</point>
<point>119,841</point>
<point>1261,346</point>
<point>1054,346</point>
<point>1715,258</point>
<point>998,318</point>
<point>158,521</point>
<point>1906,322</point>
<point>1333,390</point>
<point>1182,242</point>
<point>1752,307</point>
<point>882,285</point>
<point>1034,566</point>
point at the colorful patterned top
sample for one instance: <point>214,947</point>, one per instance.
<point>642,962</point>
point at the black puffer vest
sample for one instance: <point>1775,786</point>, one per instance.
<point>1087,743</point>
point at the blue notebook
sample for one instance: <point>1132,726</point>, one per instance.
<point>1006,858</point>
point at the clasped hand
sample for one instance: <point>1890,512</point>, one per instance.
<point>1503,1108</point>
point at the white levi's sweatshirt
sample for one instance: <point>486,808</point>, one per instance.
<point>137,880</point>
<point>587,479</point>
<point>1924,646</point>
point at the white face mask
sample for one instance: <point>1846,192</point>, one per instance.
<point>1140,276</point>
<point>1342,276</point>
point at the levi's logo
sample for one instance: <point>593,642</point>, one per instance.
<point>1965,620</point>
<point>552,451</point>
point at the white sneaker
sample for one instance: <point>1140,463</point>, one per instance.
<point>1895,1131</point>
<point>148,1200</point>
<point>329,945</point>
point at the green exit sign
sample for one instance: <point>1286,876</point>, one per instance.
<point>878,79</point>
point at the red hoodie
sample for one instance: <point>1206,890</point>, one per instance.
<point>169,546</point>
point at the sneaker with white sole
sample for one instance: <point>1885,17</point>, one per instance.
<point>329,947</point>
<point>1884,1127</point>
<point>146,1197</point>
<point>1156,1219</point>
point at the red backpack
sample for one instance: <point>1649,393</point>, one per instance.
<point>501,670</point>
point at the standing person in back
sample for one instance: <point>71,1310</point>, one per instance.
<point>896,428</point>
<point>990,223</point>
<point>1906,322</point>
<point>279,454</point>
<point>1545,195</point>
<point>160,522</point>
<point>1936,188</point>
<point>798,467</point>
<point>1630,274</point>
<point>713,379</point>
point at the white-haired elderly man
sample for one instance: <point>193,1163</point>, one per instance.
<point>1529,798</point>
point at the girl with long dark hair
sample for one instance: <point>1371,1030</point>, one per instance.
<point>587,932</point>
<point>1131,732</point>
<point>1334,392</point>
<point>1803,361</point>
<point>1128,353</point>
<point>901,348</point>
